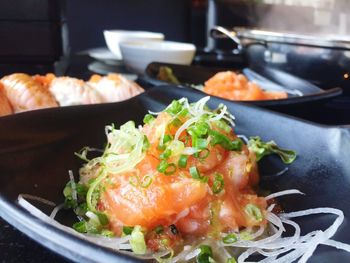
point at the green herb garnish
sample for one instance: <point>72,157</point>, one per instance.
<point>262,149</point>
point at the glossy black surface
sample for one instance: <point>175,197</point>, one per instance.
<point>318,105</point>
<point>197,75</point>
<point>37,151</point>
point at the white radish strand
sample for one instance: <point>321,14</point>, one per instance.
<point>283,193</point>
<point>291,248</point>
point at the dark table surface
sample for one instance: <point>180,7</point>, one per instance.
<point>16,247</point>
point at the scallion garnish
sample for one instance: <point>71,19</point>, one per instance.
<point>165,155</point>
<point>80,227</point>
<point>146,181</point>
<point>170,169</point>
<point>137,241</point>
<point>224,141</point>
<point>253,212</point>
<point>196,175</point>
<point>222,125</point>
<point>127,230</point>
<point>167,138</point>
<point>230,238</point>
<point>231,260</point>
<point>200,129</point>
<point>166,168</point>
<point>199,143</point>
<point>203,154</point>
<point>182,161</point>
<point>162,166</point>
<point>159,229</point>
<point>176,122</point>
<point>148,119</point>
<point>218,184</point>
<point>174,108</point>
<point>146,143</point>
<point>205,255</point>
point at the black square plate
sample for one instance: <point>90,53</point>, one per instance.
<point>37,151</point>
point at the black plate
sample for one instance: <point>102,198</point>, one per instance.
<point>197,75</point>
<point>37,151</point>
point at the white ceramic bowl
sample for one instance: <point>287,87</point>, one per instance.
<point>138,54</point>
<point>114,37</point>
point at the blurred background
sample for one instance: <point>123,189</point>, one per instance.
<point>40,36</point>
<point>42,32</point>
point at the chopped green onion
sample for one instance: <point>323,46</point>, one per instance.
<point>218,184</point>
<point>137,241</point>
<point>170,169</point>
<point>230,238</point>
<point>254,212</point>
<point>162,166</point>
<point>166,168</point>
<point>127,230</point>
<point>182,161</point>
<point>221,124</point>
<point>80,227</point>
<point>200,129</point>
<point>167,138</point>
<point>146,181</point>
<point>262,149</point>
<point>244,235</point>
<point>165,155</point>
<point>176,147</point>
<point>224,141</point>
<point>159,229</point>
<point>231,260</point>
<point>176,122</point>
<point>196,175</point>
<point>148,119</point>
<point>81,189</point>
<point>203,154</point>
<point>205,255</point>
<point>184,112</point>
<point>174,108</point>
<point>199,143</point>
<point>146,143</point>
<point>102,218</point>
<point>107,233</point>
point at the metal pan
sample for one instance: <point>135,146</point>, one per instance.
<point>322,59</point>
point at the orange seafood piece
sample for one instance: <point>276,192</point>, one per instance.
<point>5,106</point>
<point>232,86</point>
<point>72,91</point>
<point>45,80</point>
<point>158,203</point>
<point>178,198</point>
<point>24,93</point>
<point>114,87</point>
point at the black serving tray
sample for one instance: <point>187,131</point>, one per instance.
<point>313,96</point>
<point>37,149</point>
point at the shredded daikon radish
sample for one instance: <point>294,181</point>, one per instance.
<point>282,193</point>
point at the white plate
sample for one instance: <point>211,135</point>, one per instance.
<point>103,54</point>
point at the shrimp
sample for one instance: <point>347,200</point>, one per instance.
<point>24,93</point>
<point>5,106</point>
